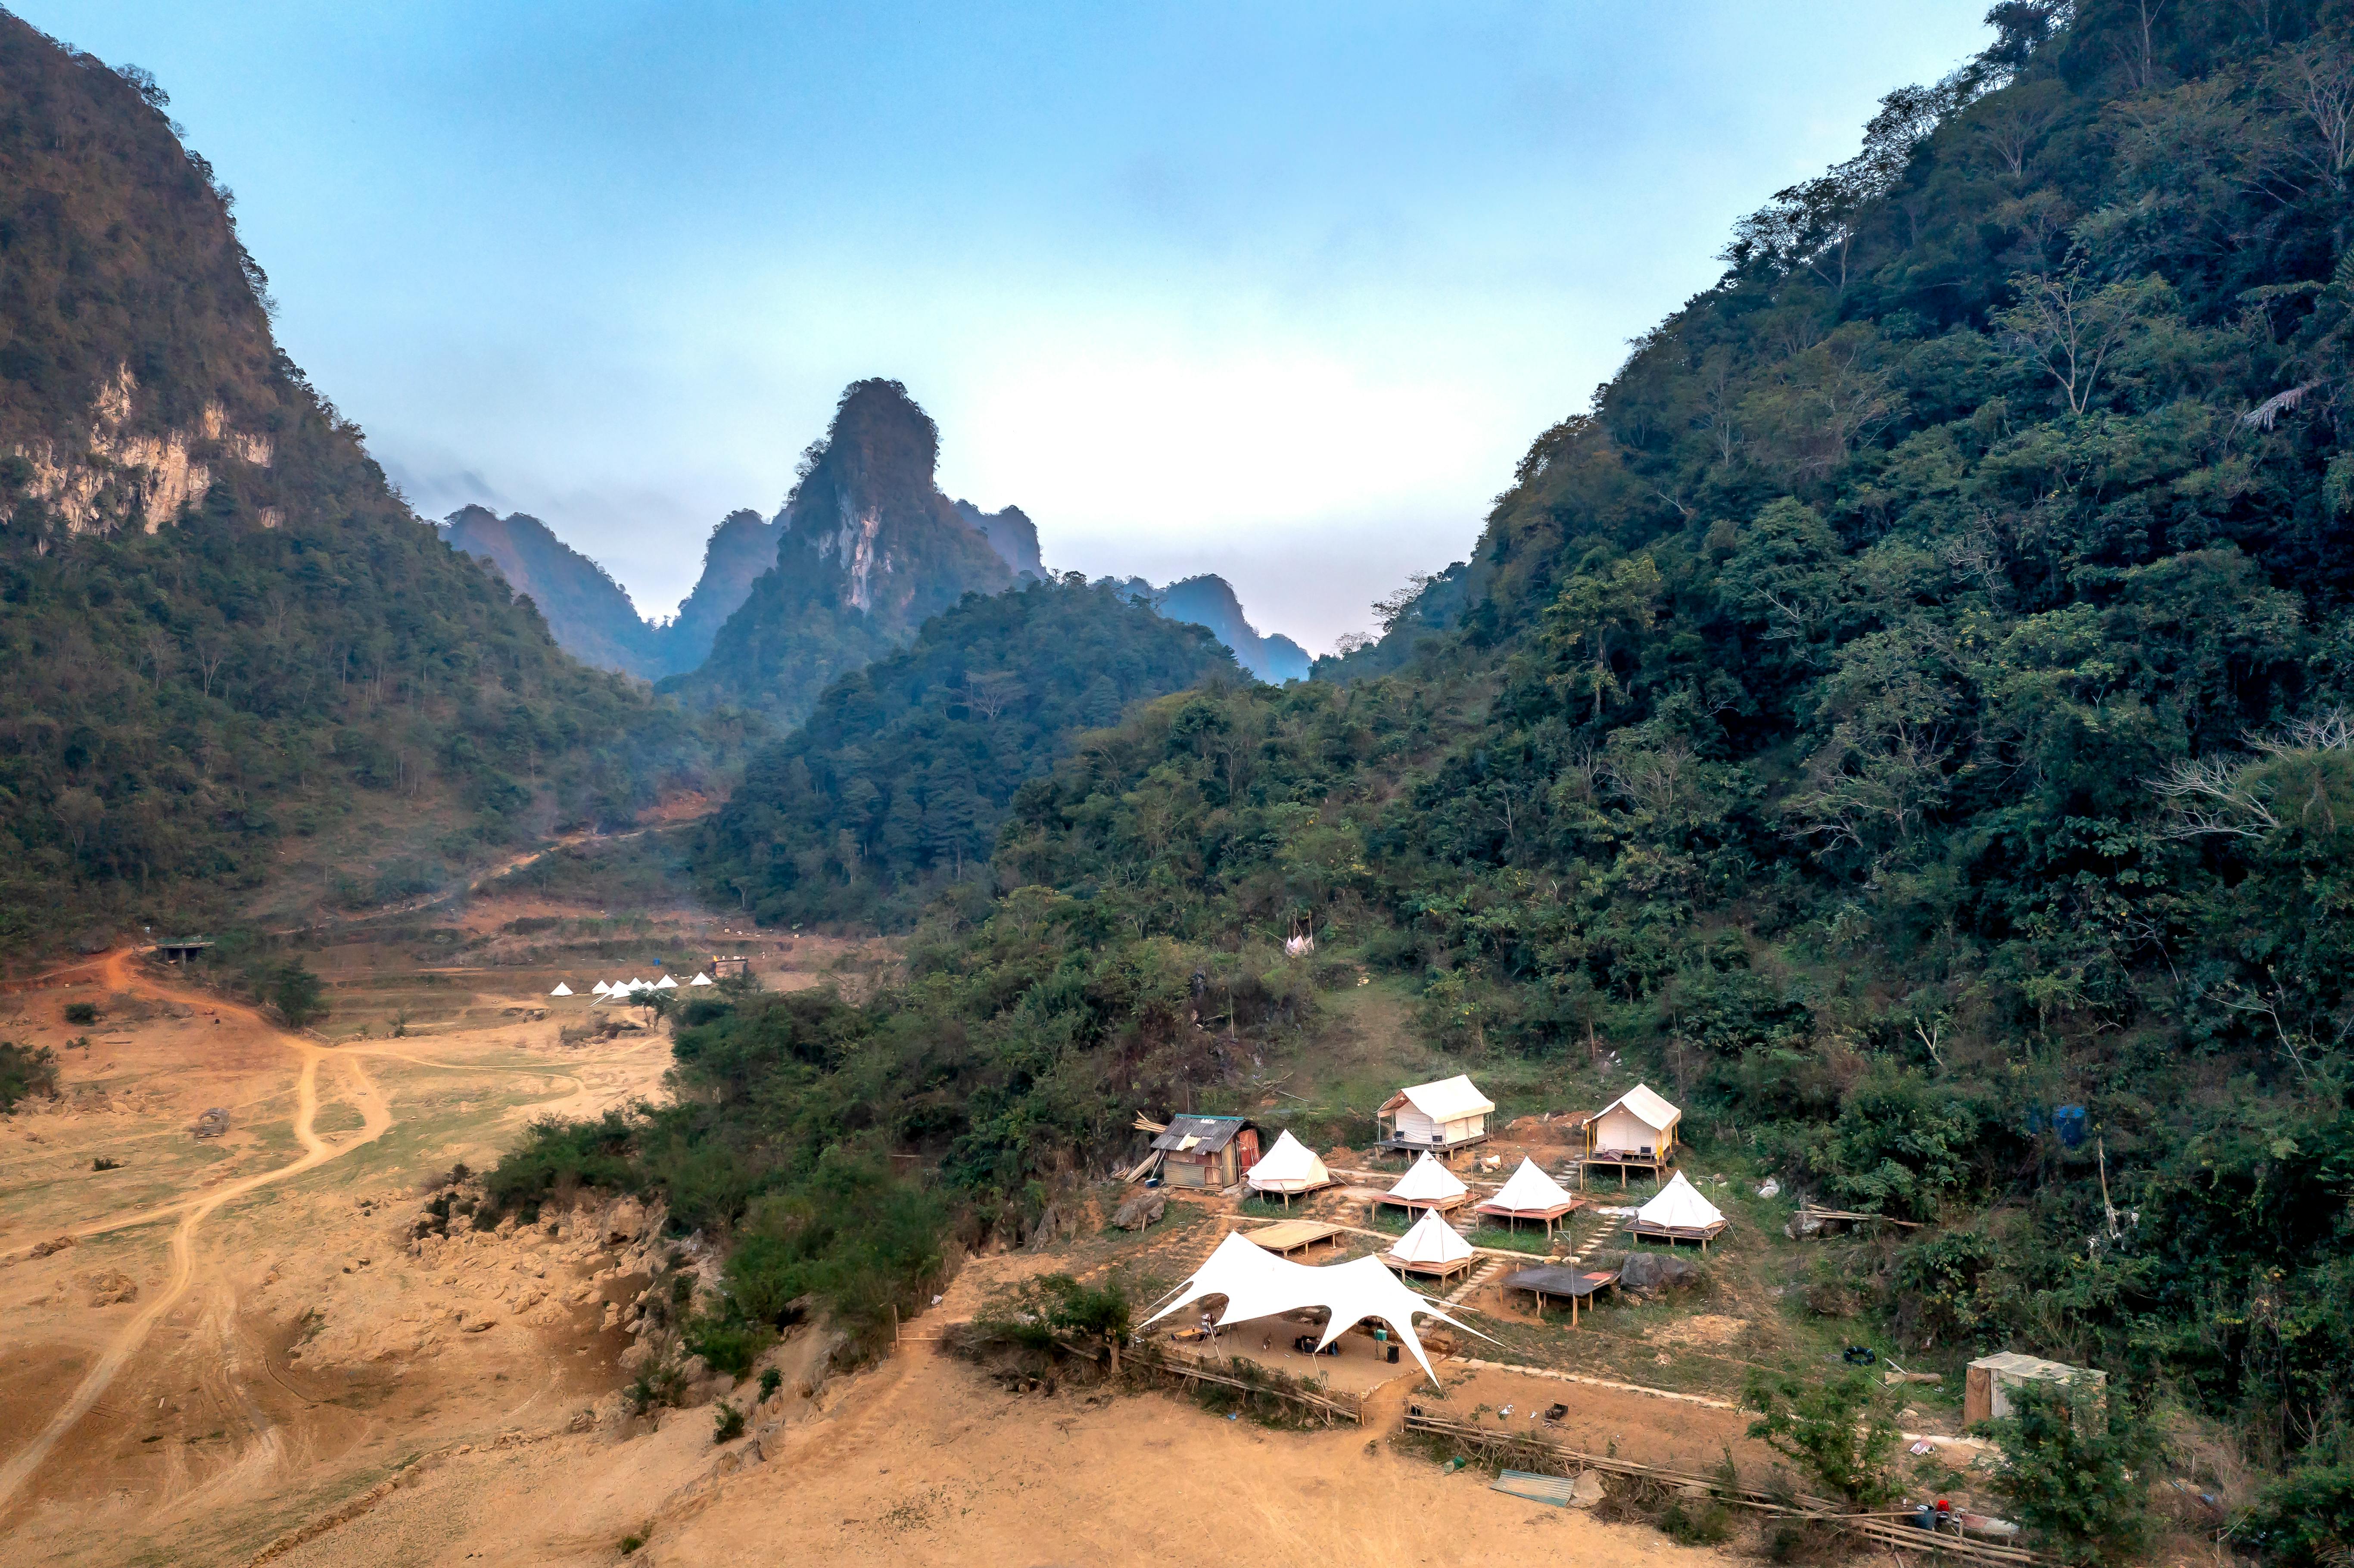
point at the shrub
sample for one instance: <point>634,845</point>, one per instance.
<point>2067,1468</point>
<point>2306,1518</point>
<point>1838,1432</point>
<point>25,1071</point>
<point>729,1346</point>
<point>297,994</point>
<point>726,1423</point>
<point>771,1380</point>
<point>81,1012</point>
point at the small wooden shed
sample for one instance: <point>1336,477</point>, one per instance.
<point>1987,1387</point>
<point>1206,1150</point>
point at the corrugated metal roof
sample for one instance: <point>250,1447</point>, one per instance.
<point>2010,1363</point>
<point>1213,1132</point>
<point>1558,1490</point>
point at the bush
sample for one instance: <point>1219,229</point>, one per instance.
<point>2067,1468</point>
<point>726,1423</point>
<point>1839,1432</point>
<point>297,994</point>
<point>771,1380</point>
<point>25,1071</point>
<point>2306,1518</point>
<point>81,1012</point>
<point>729,1346</point>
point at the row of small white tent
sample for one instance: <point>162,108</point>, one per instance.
<point>628,986</point>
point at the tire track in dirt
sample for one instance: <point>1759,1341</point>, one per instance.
<point>317,1151</point>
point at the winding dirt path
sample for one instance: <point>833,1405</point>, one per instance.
<point>374,1108</point>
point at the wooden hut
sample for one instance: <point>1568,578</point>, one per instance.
<point>1988,1384</point>
<point>1439,1117</point>
<point>1206,1150</point>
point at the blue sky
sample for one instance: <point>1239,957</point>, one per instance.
<point>1280,290</point>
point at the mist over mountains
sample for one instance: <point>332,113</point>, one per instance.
<point>865,548</point>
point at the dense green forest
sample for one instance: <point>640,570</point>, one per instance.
<point>895,785</point>
<point>1910,698</point>
<point>226,647</point>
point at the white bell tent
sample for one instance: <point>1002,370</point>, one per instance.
<point>1288,1167</point>
<point>561,989</point>
<point>665,984</point>
<point>700,980</point>
<point>1678,1214</point>
<point>600,987</point>
<point>1530,1194</point>
<point>1257,1284</point>
<point>1427,1185</point>
<point>1430,1247</point>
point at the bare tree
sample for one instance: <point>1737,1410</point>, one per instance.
<point>2075,329</point>
<point>2317,80</point>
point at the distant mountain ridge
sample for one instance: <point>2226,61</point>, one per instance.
<point>591,615</point>
<point>1210,601</point>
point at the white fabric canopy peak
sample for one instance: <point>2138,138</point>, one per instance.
<point>700,980</point>
<point>1529,1192</point>
<point>1431,1242</point>
<point>561,989</point>
<point>1289,1167</point>
<point>600,987</point>
<point>1427,1182</point>
<point>1680,1204</point>
<point>1448,1099</point>
<point>665,984</point>
<point>1257,1284</point>
<point>1646,1107</point>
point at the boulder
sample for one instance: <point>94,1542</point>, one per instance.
<point>110,1287</point>
<point>1140,1210</point>
<point>1647,1272</point>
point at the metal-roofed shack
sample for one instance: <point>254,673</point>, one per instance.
<point>1988,1384</point>
<point>1206,1150</point>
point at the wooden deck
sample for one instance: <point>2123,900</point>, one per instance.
<point>1285,1237</point>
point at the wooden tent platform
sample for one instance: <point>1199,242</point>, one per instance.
<point>1652,1165</point>
<point>1575,1285</point>
<point>1436,1270</point>
<point>1444,1205</point>
<point>1284,1237</point>
<point>1673,1234</point>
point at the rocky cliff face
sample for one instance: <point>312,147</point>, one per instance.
<point>743,546</point>
<point>868,549</point>
<point>1012,534</point>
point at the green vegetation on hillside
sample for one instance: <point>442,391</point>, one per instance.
<point>1913,698</point>
<point>192,688</point>
<point>895,786</point>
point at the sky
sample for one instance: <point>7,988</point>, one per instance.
<point>1281,290</point>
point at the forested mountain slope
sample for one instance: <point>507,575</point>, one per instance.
<point>895,786</point>
<point>1912,697</point>
<point>590,616</point>
<point>229,655</point>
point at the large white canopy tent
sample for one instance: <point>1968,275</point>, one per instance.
<point>1257,1284</point>
<point>700,980</point>
<point>1430,1247</point>
<point>600,987</point>
<point>561,989</point>
<point>1530,1194</point>
<point>665,984</point>
<point>1288,1168</point>
<point>1427,1185</point>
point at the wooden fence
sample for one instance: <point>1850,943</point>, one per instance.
<point>1525,1451</point>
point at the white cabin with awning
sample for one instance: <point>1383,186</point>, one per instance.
<point>1448,1114</point>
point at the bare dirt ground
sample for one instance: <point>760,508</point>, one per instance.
<point>154,1400</point>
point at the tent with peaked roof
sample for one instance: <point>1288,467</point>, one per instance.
<point>1427,1185</point>
<point>1530,1194</point>
<point>1448,1113</point>
<point>1637,1124</point>
<point>561,989</point>
<point>700,980</point>
<point>1431,1247</point>
<point>1288,1168</point>
<point>1257,1284</point>
<point>600,987</point>
<point>665,984</point>
<point>1678,1214</point>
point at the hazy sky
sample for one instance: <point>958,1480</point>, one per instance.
<point>1280,290</point>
